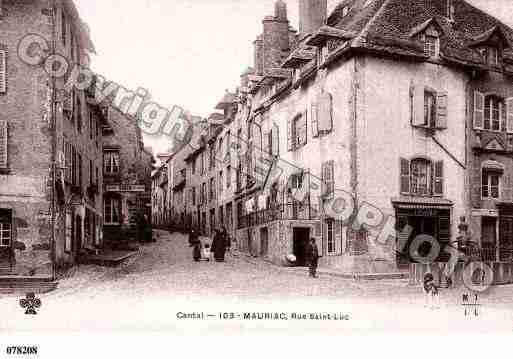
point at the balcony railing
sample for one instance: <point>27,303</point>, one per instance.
<point>279,212</point>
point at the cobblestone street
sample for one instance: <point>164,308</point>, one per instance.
<point>149,291</point>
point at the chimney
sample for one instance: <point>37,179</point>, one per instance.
<point>259,55</point>
<point>312,15</point>
<point>276,44</point>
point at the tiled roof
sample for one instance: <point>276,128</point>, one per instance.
<point>388,26</point>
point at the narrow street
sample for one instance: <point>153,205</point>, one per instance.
<point>148,292</point>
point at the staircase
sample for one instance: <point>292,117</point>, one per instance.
<point>24,285</point>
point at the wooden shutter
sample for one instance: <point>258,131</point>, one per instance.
<point>265,142</point>
<point>276,140</point>
<point>3,71</point>
<point>439,178</point>
<point>4,136</point>
<point>405,176</point>
<point>479,101</point>
<point>315,121</point>
<point>305,128</point>
<point>290,141</point>
<point>444,235</point>
<point>441,110</point>
<point>417,98</point>
<point>509,114</point>
<point>338,237</point>
<point>325,113</point>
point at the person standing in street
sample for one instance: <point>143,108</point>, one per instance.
<point>219,245</point>
<point>312,257</point>
<point>195,243</point>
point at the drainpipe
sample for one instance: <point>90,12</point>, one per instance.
<point>53,123</point>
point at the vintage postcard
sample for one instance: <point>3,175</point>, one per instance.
<point>222,166</point>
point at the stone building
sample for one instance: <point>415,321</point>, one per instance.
<point>377,123</point>
<point>127,176</point>
<point>51,155</point>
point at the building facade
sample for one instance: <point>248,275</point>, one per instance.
<point>50,196</point>
<point>384,121</point>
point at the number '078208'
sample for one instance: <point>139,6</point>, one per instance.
<point>22,350</point>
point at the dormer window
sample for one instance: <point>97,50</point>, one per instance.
<point>322,54</point>
<point>490,55</point>
<point>431,46</point>
<point>345,10</point>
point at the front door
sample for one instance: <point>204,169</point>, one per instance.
<point>78,234</point>
<point>489,238</point>
<point>264,242</point>
<point>301,237</point>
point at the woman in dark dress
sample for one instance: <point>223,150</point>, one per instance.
<point>195,243</point>
<point>219,246</point>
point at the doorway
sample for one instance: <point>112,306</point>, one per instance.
<point>78,234</point>
<point>300,238</point>
<point>425,221</point>
<point>264,242</point>
<point>489,237</point>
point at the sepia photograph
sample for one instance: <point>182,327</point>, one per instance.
<point>232,167</point>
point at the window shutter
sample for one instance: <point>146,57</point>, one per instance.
<point>3,71</point>
<point>417,94</point>
<point>315,121</point>
<point>439,179</point>
<point>325,113</point>
<point>509,114</point>
<point>4,136</point>
<point>265,142</point>
<point>479,101</point>
<point>441,110</point>
<point>276,140</point>
<point>305,128</point>
<point>405,176</point>
<point>290,143</point>
<point>338,237</point>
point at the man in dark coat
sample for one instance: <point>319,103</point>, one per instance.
<point>219,246</point>
<point>312,257</point>
<point>195,243</point>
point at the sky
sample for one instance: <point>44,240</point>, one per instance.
<point>188,52</point>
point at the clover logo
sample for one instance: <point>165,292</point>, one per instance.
<point>30,303</point>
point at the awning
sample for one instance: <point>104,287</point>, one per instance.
<point>421,202</point>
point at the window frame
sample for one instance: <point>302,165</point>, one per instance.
<point>489,174</point>
<point>109,216</point>
<point>431,49</point>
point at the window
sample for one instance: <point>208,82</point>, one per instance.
<point>221,182</point>
<point>345,11</point>
<point>4,136</point>
<point>493,114</point>
<point>212,189</point>
<point>212,156</point>
<point>68,232</point>
<point>296,180</point>
<point>297,132</point>
<point>193,165</point>
<point>111,211</point>
<point>3,71</point>
<point>491,55</point>
<point>193,195</point>
<point>79,113</point>
<point>5,231</point>
<point>420,177</point>
<point>63,28</point>
<point>331,237</point>
<point>91,125</point>
<point>491,183</point>
<point>228,176</point>
<point>429,109</point>
<point>431,46</point>
<point>328,178</point>
<point>111,163</point>
<point>322,54</point>
<point>204,194</point>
